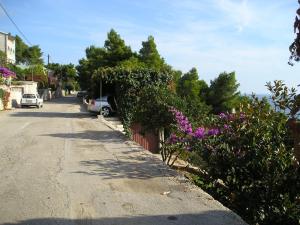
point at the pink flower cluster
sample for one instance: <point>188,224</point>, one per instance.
<point>185,126</point>
<point>6,72</point>
<point>182,121</point>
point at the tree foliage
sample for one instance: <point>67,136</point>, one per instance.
<point>189,84</point>
<point>295,46</point>
<point>116,50</point>
<point>128,85</point>
<point>223,93</point>
<point>28,55</point>
<point>21,49</point>
<point>66,73</point>
<point>252,154</point>
<point>149,54</point>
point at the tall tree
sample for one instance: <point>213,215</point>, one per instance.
<point>116,49</point>
<point>189,84</point>
<point>95,58</point>
<point>149,54</point>
<point>223,93</point>
<point>28,55</point>
<point>34,55</point>
<point>21,49</point>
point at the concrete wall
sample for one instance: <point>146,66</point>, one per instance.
<point>8,46</point>
<point>16,95</point>
<point>25,87</point>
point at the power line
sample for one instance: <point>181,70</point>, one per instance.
<point>10,18</point>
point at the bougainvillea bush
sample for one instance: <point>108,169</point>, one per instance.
<point>251,166</point>
<point>183,138</point>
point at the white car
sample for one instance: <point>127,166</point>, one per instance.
<point>31,100</point>
<point>94,106</point>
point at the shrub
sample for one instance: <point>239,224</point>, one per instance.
<point>2,92</point>
<point>251,165</point>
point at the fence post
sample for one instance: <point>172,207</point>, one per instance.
<point>161,137</point>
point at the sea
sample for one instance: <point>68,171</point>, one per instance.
<point>269,98</point>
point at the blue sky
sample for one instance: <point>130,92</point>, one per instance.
<point>250,37</point>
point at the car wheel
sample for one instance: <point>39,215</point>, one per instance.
<point>38,106</point>
<point>105,111</point>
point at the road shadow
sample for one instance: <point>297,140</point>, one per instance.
<point>65,100</point>
<point>213,217</point>
<point>93,135</point>
<point>134,167</point>
<point>52,115</point>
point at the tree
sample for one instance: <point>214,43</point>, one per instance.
<point>66,73</point>
<point>28,55</point>
<point>222,94</point>
<point>95,58</point>
<point>295,46</point>
<point>149,54</point>
<point>34,55</point>
<point>116,50</point>
<point>21,48</point>
<point>132,63</point>
<point>112,54</point>
<point>190,85</point>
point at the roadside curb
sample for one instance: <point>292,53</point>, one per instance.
<point>109,124</point>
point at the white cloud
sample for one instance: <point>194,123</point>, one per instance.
<point>238,12</point>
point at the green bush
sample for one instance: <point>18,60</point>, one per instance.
<point>2,93</point>
<point>128,87</point>
<point>251,165</point>
<point>153,107</point>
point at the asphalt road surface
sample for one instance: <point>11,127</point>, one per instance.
<point>60,165</point>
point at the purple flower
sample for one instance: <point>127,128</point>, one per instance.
<point>173,139</point>
<point>213,132</point>
<point>226,127</point>
<point>189,130</point>
<point>6,72</point>
<point>242,116</point>
<point>183,123</point>
<point>199,133</point>
<point>223,116</point>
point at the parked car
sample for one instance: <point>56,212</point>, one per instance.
<point>94,106</point>
<point>81,94</point>
<point>31,100</point>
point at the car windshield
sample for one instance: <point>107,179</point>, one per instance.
<point>28,96</point>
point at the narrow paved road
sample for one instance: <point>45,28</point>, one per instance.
<point>59,165</point>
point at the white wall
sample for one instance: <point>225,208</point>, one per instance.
<point>8,46</point>
<point>11,48</point>
<point>16,95</point>
<point>27,87</point>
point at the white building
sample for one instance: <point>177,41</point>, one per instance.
<point>8,46</point>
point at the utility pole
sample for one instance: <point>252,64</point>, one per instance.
<point>48,59</point>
